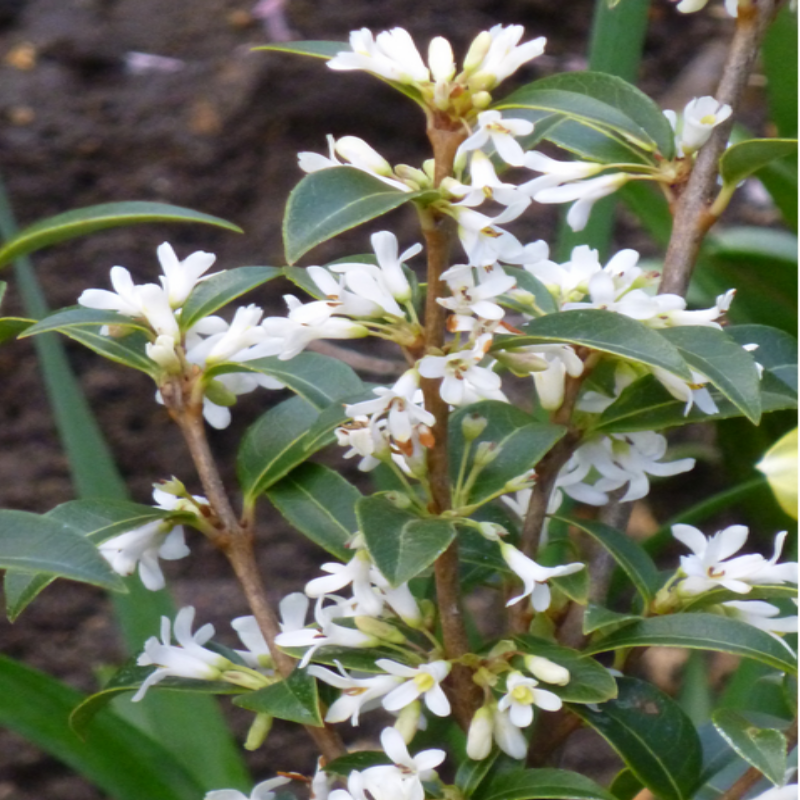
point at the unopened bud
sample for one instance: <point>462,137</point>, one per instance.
<point>162,351</point>
<point>546,670</point>
<point>522,363</point>
<point>477,51</point>
<point>259,730</point>
<point>398,499</point>
<point>173,486</point>
<point>492,531</point>
<point>479,736</point>
<point>481,100</point>
<point>219,394</point>
<point>408,721</point>
<point>473,425</point>
<point>482,82</point>
<point>503,648</point>
<point>379,629</point>
<point>486,452</point>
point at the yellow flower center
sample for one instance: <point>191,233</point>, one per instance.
<point>424,681</point>
<point>522,695</point>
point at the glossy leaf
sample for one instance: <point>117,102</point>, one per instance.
<point>11,327</point>
<point>528,283</point>
<point>294,698</point>
<point>520,441</point>
<point>777,351</point>
<point>763,748</point>
<point>357,761</point>
<point>320,503</point>
<point>701,632</point>
<point>319,379</point>
<point>83,221</point>
<point>590,681</point>
<point>471,774</point>
<point>630,556</point>
<point>318,49</point>
<point>653,736</point>
<point>597,618</point>
<point>741,160</point>
<point>603,331</point>
<point>541,784</point>
<point>218,290</point>
<point>328,202</point>
<point>29,542</point>
<point>401,543</point>
<point>724,362</point>
<point>122,761</point>
<point>360,659</point>
<point>79,317</point>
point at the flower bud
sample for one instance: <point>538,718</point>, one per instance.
<point>379,629</point>
<point>358,152</point>
<point>492,531</point>
<point>481,100</point>
<point>486,452</point>
<point>546,670</point>
<point>398,499</point>
<point>259,730</point>
<point>408,721</point>
<point>473,425</point>
<point>479,736</point>
<point>162,351</point>
<point>440,59</point>
<point>477,51</point>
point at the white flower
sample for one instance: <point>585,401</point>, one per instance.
<point>762,615</point>
<point>124,299</point>
<point>391,55</point>
<point>522,695</point>
<point>187,659</point>
<point>366,437</point>
<point>162,351</point>
<point>357,693</point>
<point>262,791</point>
<point>508,736</point>
<point>533,576</point>
<point>257,654</point>
<point>690,6</point>
<point>356,572</point>
<point>464,381</point>
<point>483,185</point>
<point>180,277</point>
<point>501,132</point>
<point>146,544</point>
<point>422,682</point>
<point>708,568</point>
<point>469,298</point>
<point>496,54</point>
<point>232,343</point>
<point>556,173</point>
<point>483,242</point>
<point>585,193</point>
<point>407,773</point>
<point>384,243</point>
<point>690,392</point>
<point>700,116</point>
<point>479,735</point>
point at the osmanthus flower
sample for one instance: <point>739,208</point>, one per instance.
<point>546,670</point>
<point>423,681</point>
<point>497,54</point>
<point>533,576</point>
<point>501,132</point>
<point>356,573</point>
<point>555,172</point>
<point>483,185</point>
<point>522,694</point>
<point>261,791</point>
<point>700,116</point>
<point>484,242</point>
<point>180,277</point>
<point>618,459</point>
<point>468,298</point>
<point>464,381</point>
<point>153,540</point>
<point>710,564</point>
<point>357,693</point>
<point>366,437</point>
<point>762,615</point>
<point>489,723</point>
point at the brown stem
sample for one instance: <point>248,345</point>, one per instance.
<point>235,539</point>
<point>753,775</point>
<point>692,216</point>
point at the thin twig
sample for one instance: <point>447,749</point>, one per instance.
<point>692,216</point>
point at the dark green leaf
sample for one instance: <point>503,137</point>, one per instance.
<point>724,362</point>
<point>218,290</point>
<point>597,618</point>
<point>29,542</point>
<point>520,441</point>
<point>528,283</point>
<point>11,327</point>
<point>320,49</point>
<point>99,520</point>
<point>299,277</point>
<point>652,735</point>
<point>294,698</point>
<point>541,784</point>
<point>122,761</point>
<point>590,681</point>
<point>363,759</point>
<point>470,774</point>
<point>401,543</point>
<point>741,160</point>
<point>21,589</point>
<point>701,632</point>
<point>320,503</point>
<point>319,379</point>
<point>79,317</point>
<point>777,351</point>
<point>633,559</point>
<point>603,331</point>
<point>763,748</point>
<point>331,201</point>
<point>625,785</point>
<point>83,221</point>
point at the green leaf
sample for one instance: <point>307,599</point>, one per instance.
<point>541,784</point>
<point>520,441</point>
<point>21,589</point>
<point>471,774</point>
<point>122,761</point>
<point>724,362</point>
<point>79,317</point>
<point>401,543</point>
<point>621,95</point>
<point>603,331</point>
<point>319,379</point>
<point>777,351</point>
<point>319,49</point>
<point>653,736</point>
<point>83,221</point>
<point>294,699</point>
<point>29,542</point>
<point>741,160</point>
<point>528,283</point>
<point>11,327</point>
<point>128,678</point>
<point>590,681</point>
<point>321,504</point>
<point>701,632</point>
<point>218,290</point>
<point>274,445</point>
<point>630,555</point>
<point>361,659</point>
<point>360,760</point>
<point>597,618</point>
<point>764,748</point>
<point>328,202</point>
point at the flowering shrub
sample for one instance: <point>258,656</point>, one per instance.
<point>475,490</point>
